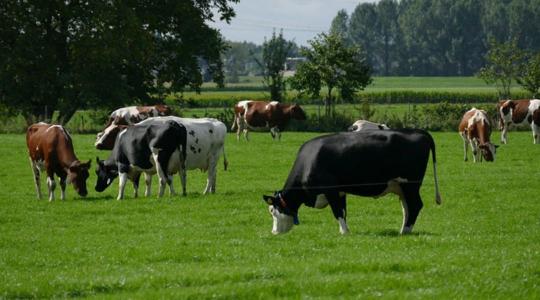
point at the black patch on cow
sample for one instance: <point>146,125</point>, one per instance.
<point>192,133</point>
<point>196,140</point>
<point>192,149</point>
<point>199,150</point>
<point>210,130</point>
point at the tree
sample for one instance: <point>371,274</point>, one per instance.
<point>67,55</point>
<point>530,78</point>
<point>332,64</point>
<point>387,29</point>
<point>274,56</point>
<point>363,30</point>
<point>339,25</point>
<point>503,64</point>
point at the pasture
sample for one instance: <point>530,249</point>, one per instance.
<point>482,242</point>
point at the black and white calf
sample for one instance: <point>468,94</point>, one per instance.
<point>149,149</point>
<point>367,163</point>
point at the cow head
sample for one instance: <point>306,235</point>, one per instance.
<point>163,110</point>
<point>106,139</point>
<point>105,175</point>
<point>297,112</point>
<point>284,218</point>
<point>77,175</point>
<point>488,151</point>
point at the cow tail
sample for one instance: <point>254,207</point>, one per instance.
<point>437,195</point>
<point>225,162</point>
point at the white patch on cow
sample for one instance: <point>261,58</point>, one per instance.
<point>244,104</point>
<point>282,223</point>
<point>393,187</point>
<point>272,103</point>
<point>343,228</point>
<point>122,180</point>
<point>405,209</point>
<point>367,125</point>
<point>321,201</point>
<point>51,186</point>
<point>66,134</point>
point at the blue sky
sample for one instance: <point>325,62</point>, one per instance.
<point>301,20</point>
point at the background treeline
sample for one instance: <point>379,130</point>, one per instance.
<point>437,37</point>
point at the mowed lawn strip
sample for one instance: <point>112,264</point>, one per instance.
<point>483,241</point>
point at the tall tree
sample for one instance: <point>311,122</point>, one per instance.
<point>503,64</point>
<point>339,25</point>
<point>65,55</point>
<point>274,56</point>
<point>387,29</point>
<point>332,64</point>
<point>363,30</point>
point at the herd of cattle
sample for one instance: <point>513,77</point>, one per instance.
<point>368,160</point>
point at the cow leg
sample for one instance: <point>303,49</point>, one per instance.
<point>183,179</point>
<point>62,188</point>
<point>272,133</point>
<point>474,148</point>
<point>504,134</point>
<point>163,178</point>
<point>170,183</point>
<point>136,178</point>
<point>465,145</point>
<point>246,134</point>
<point>239,128</point>
<point>339,209</point>
<point>51,185</point>
<point>536,133</point>
<point>411,203</point>
<point>148,182</point>
<point>122,180</point>
<point>37,181</point>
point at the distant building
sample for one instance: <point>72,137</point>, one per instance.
<point>289,69</point>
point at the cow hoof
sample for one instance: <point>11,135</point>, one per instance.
<point>406,230</point>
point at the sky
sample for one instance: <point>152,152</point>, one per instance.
<point>301,20</point>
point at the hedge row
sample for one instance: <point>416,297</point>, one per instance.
<point>377,97</point>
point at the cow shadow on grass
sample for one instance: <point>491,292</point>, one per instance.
<point>395,233</point>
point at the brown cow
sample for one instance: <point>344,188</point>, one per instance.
<point>257,115</point>
<point>132,115</point>
<point>519,112</point>
<point>475,130</point>
<point>51,149</point>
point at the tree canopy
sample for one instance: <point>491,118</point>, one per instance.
<point>332,64</point>
<point>64,55</point>
<point>437,37</point>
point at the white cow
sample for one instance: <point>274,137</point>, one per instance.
<point>205,143</point>
<point>364,125</point>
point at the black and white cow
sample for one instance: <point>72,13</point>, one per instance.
<point>367,163</point>
<point>149,149</point>
<point>360,125</point>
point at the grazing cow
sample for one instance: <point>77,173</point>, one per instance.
<point>145,148</point>
<point>519,112</point>
<point>366,163</point>
<point>475,129</point>
<point>365,125</point>
<point>262,115</point>
<point>131,115</point>
<point>205,143</point>
<point>51,149</point>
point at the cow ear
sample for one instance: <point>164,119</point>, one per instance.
<point>269,199</point>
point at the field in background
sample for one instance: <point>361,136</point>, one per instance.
<point>482,242</point>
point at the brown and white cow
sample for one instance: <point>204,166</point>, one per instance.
<point>262,115</point>
<point>132,115</point>
<point>519,112</point>
<point>475,129</point>
<point>51,149</point>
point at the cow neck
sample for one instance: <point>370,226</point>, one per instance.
<point>482,129</point>
<point>66,155</point>
<point>291,199</point>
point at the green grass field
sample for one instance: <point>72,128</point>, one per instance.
<point>482,242</point>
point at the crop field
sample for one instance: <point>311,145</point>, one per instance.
<point>482,242</point>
